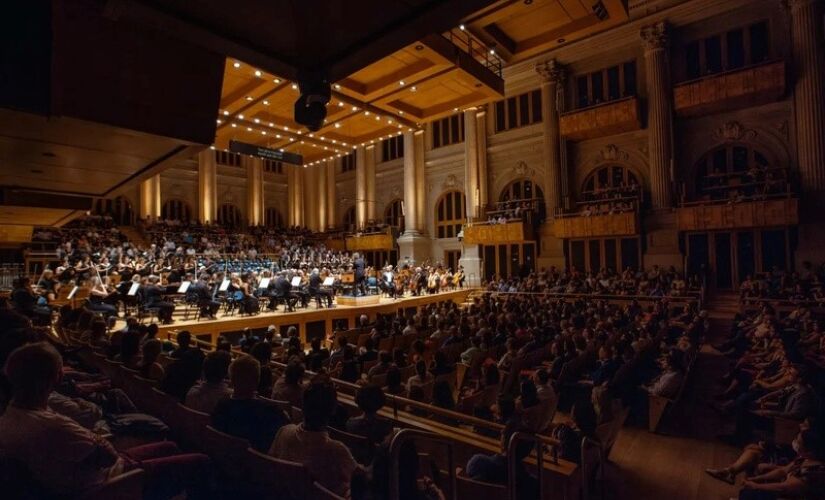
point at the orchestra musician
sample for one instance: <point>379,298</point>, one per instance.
<point>433,281</point>
<point>458,277</point>
<point>360,274</point>
<point>248,301</point>
<point>387,282</point>
<point>25,301</point>
<point>152,294</point>
<point>283,289</point>
<point>98,296</point>
<point>207,304</point>
<point>47,286</point>
<point>317,291</point>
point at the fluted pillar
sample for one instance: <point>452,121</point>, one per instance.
<point>659,113</point>
<point>295,187</point>
<point>410,188</point>
<point>413,245</point>
<point>321,196</point>
<point>809,93</point>
<point>331,167</point>
<point>481,147</point>
<point>552,78</point>
<point>207,186</point>
<point>420,181</point>
<point>369,158</point>
<point>150,203</point>
<point>471,194</point>
<point>361,187</point>
<point>254,190</point>
<point>309,198</point>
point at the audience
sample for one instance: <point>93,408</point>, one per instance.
<point>206,394</point>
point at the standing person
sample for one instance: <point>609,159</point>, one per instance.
<point>360,274</point>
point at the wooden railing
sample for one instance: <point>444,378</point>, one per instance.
<point>737,88</point>
<point>704,216</point>
<point>578,225</point>
<point>613,117</point>
<point>495,234</point>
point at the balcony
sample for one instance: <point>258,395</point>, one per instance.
<point>614,117</point>
<point>738,215</point>
<point>734,89</point>
<point>495,234</point>
<point>586,226</point>
<point>369,242</point>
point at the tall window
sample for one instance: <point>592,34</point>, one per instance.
<point>273,218</point>
<point>119,209</point>
<point>449,214</point>
<point>273,167</point>
<point>349,218</point>
<point>727,51</point>
<point>737,169</point>
<point>612,177</point>
<point>176,210</point>
<point>448,130</point>
<point>518,111</point>
<point>227,158</point>
<point>348,162</point>
<point>392,148</point>
<point>393,215</point>
<point>608,84</point>
<point>524,189</point>
<point>229,215</point>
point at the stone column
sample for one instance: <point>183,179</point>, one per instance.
<point>471,194</point>
<point>321,196</point>
<point>552,79</point>
<point>254,190</point>
<point>659,113</point>
<point>294,188</point>
<point>413,246</point>
<point>361,187</point>
<point>481,147</point>
<point>809,112</point>
<point>332,200</point>
<point>369,158</point>
<point>207,186</point>
<point>150,205</point>
<point>310,181</point>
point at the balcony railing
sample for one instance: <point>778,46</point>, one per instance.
<point>580,225</point>
<point>782,210</point>
<point>482,233</point>
<point>609,118</point>
<point>733,89</point>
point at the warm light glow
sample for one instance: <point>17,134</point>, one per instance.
<point>337,87</point>
<point>257,120</point>
<point>266,103</point>
<point>401,83</point>
<point>294,86</point>
<point>240,117</point>
<point>277,80</point>
<point>233,125</point>
<point>337,125</point>
<point>258,73</point>
<point>461,27</point>
<point>237,64</point>
<point>413,89</point>
<point>226,113</point>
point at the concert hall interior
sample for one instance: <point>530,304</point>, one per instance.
<point>412,250</point>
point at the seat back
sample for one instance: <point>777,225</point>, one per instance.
<point>228,452</point>
<point>188,424</point>
<point>320,493</point>
<point>360,446</point>
<point>275,478</point>
<point>468,488</point>
<point>127,486</point>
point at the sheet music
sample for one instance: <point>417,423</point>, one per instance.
<point>224,286</point>
<point>328,281</point>
<point>264,283</point>
<point>133,289</point>
<point>73,292</point>
<point>296,281</point>
<point>184,286</point>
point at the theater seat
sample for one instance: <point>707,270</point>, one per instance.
<point>275,478</point>
<point>128,486</point>
<point>468,488</point>
<point>228,452</point>
<point>320,493</point>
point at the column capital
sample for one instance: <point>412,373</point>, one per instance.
<point>551,71</point>
<point>795,5</point>
<point>654,36</point>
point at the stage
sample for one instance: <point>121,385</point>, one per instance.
<point>311,322</point>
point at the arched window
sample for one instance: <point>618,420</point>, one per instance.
<point>176,210</point>
<point>524,189</point>
<point>349,218</point>
<point>737,169</point>
<point>273,218</point>
<point>393,215</point>
<point>119,209</point>
<point>609,177</point>
<point>229,215</point>
<point>449,214</point>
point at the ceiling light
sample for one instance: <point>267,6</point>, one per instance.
<point>237,64</point>
<point>493,51</point>
<point>294,86</point>
<point>377,118</point>
<point>212,147</point>
<point>300,132</point>
<point>258,73</point>
<point>257,120</point>
<point>277,136</point>
<point>249,129</point>
<point>277,80</point>
<point>312,135</point>
<point>389,120</point>
<point>401,83</point>
<point>302,142</point>
<point>355,108</point>
<point>337,87</point>
<point>281,150</point>
<point>337,125</point>
<point>271,124</point>
<point>400,112</point>
<point>226,113</point>
<point>455,109</point>
<point>343,143</point>
<point>366,113</point>
<point>266,103</point>
<point>340,104</point>
<point>333,141</point>
<point>240,117</point>
<point>263,132</point>
<point>413,89</point>
<point>219,120</point>
<point>461,27</point>
<point>234,125</point>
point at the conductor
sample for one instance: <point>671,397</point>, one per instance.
<point>360,274</point>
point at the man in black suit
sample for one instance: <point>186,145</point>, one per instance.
<point>153,297</point>
<point>316,291</point>
<point>282,288</point>
<point>360,274</point>
<point>207,304</point>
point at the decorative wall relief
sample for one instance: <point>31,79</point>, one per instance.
<point>733,131</point>
<point>450,182</point>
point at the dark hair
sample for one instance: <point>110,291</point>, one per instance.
<point>320,400</point>
<point>216,366</point>
<point>370,398</point>
<point>543,376</point>
<point>529,394</point>
<point>393,377</point>
<point>293,373</point>
<point>443,395</point>
<point>385,357</point>
<point>421,369</point>
<point>584,416</point>
<point>262,351</point>
<point>184,338</point>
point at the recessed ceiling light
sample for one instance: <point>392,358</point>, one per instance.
<point>266,103</point>
<point>234,125</point>
<point>226,113</point>
<point>377,118</point>
<point>493,51</point>
<point>281,150</point>
<point>419,47</point>
<point>413,89</point>
<point>257,120</point>
<point>277,136</point>
<point>366,113</point>
<point>355,108</point>
<point>337,125</point>
<point>561,40</point>
<point>219,120</point>
<point>337,87</point>
<point>271,124</point>
<point>461,27</point>
<point>258,73</point>
<point>401,83</point>
<point>333,141</point>
<point>400,112</point>
<point>237,64</point>
<point>455,109</point>
<point>277,80</point>
<point>312,135</point>
<point>240,117</point>
<point>294,86</point>
<point>249,129</point>
<point>263,132</point>
<point>212,147</point>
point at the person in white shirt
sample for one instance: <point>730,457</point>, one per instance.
<point>204,396</point>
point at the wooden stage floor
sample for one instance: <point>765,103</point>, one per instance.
<point>309,320</point>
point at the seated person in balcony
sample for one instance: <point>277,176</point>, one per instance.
<point>370,399</point>
<point>289,387</point>
<point>328,461</point>
<point>205,395</point>
<point>242,414</point>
